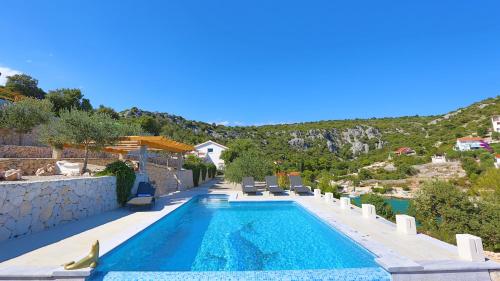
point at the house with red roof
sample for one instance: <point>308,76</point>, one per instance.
<point>404,151</point>
<point>469,143</point>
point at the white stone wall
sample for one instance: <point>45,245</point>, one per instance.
<point>185,179</point>
<point>28,207</point>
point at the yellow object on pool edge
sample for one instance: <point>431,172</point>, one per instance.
<point>90,260</point>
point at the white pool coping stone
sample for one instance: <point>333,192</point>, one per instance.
<point>391,260</point>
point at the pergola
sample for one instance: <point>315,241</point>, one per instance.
<point>153,143</point>
<point>147,143</point>
<point>143,144</point>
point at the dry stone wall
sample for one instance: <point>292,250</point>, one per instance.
<point>29,165</point>
<point>16,151</point>
<point>32,206</point>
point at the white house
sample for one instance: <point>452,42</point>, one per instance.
<point>439,159</point>
<point>497,161</point>
<point>495,120</point>
<point>210,151</point>
<point>468,143</point>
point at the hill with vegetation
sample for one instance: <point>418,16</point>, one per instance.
<point>327,145</point>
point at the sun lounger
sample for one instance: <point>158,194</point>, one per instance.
<point>145,196</point>
<point>297,186</point>
<point>272,185</point>
<point>248,185</point>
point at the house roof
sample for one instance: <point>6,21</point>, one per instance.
<point>403,150</point>
<point>210,142</point>
<point>465,139</point>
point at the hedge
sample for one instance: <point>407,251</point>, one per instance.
<point>195,168</point>
<point>203,168</point>
<point>125,178</point>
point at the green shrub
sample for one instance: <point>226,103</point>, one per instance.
<point>212,170</point>
<point>381,206</point>
<point>444,210</point>
<point>249,164</point>
<point>125,178</point>
<point>195,164</point>
<point>364,174</point>
<point>203,170</point>
<point>195,168</point>
<point>382,190</point>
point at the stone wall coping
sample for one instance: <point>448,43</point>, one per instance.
<point>79,158</point>
<point>73,178</point>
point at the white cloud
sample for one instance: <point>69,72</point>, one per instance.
<point>5,71</point>
<point>227,123</point>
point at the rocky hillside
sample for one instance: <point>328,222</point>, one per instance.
<point>340,138</point>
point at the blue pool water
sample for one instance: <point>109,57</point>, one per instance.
<point>211,234</point>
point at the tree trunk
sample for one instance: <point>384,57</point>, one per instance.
<point>57,153</point>
<point>85,160</point>
<point>20,136</point>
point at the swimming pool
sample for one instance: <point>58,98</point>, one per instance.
<point>210,234</point>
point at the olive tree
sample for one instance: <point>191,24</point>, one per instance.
<point>85,130</point>
<point>249,164</point>
<point>52,133</point>
<point>24,115</point>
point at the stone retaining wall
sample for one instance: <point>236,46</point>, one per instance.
<point>8,136</point>
<point>28,207</point>
<point>186,179</point>
<point>16,151</point>
<point>30,165</point>
<point>165,178</point>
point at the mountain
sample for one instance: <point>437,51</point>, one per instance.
<point>338,140</point>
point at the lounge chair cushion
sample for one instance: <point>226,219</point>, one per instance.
<point>146,200</point>
<point>144,195</point>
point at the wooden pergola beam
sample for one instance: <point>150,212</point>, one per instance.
<point>153,143</point>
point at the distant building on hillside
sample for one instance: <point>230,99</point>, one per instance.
<point>439,159</point>
<point>469,143</point>
<point>211,151</point>
<point>495,120</point>
<point>497,161</point>
<point>404,151</point>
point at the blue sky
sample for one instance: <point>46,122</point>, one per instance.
<point>260,61</point>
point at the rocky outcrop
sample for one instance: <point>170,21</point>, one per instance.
<point>47,170</point>
<point>360,139</point>
<point>13,175</point>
